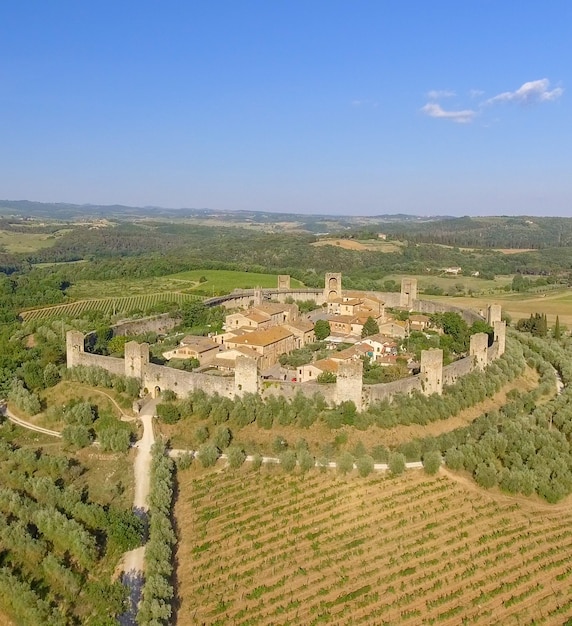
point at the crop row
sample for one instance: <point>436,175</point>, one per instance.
<point>108,306</point>
<point>431,552</point>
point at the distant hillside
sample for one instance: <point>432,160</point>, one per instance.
<point>488,232</point>
<point>469,232</point>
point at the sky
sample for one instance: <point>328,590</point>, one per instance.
<point>360,107</point>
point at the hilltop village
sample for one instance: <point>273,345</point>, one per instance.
<point>263,327</point>
<point>266,330</point>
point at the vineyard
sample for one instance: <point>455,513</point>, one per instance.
<point>266,548</point>
<point>109,306</point>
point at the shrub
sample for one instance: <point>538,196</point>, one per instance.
<point>256,461</point>
<point>345,463</point>
<point>305,460</point>
<point>168,413</point>
<point>236,456</point>
<point>184,461</point>
<point>365,465</point>
<point>208,454</point>
<point>432,461</point>
<point>288,460</point>
<point>396,463</point>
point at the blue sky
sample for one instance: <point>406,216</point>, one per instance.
<point>355,107</point>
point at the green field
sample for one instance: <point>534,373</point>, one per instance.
<point>15,242</point>
<point>217,282</point>
<point>557,302</point>
<point>449,282</point>
<point>109,296</point>
<point>224,281</point>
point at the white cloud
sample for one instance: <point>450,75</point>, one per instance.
<point>531,92</point>
<point>476,93</point>
<point>436,94</point>
<point>432,109</point>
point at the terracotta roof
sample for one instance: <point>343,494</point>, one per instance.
<point>303,325</point>
<point>199,344</point>
<point>345,319</point>
<point>257,316</point>
<point>380,338</point>
<point>271,308</point>
<point>350,353</point>
<point>263,337</point>
<point>326,365</point>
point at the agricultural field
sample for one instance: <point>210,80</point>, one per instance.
<point>263,547</point>
<point>224,281</point>
<point>521,305</point>
<point>355,244</point>
<point>26,243</point>
<point>449,283</point>
<point>108,306</point>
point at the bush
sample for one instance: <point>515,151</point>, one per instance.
<point>305,460</point>
<point>345,463</point>
<point>256,461</point>
<point>208,454</point>
<point>201,433</point>
<point>288,460</point>
<point>184,461</point>
<point>222,438</point>
<point>236,456</point>
<point>432,461</point>
<point>365,465</point>
<point>396,463</point>
<point>168,413</point>
<point>77,435</point>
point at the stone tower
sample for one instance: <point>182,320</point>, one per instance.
<point>283,281</point>
<point>75,345</point>
<point>258,297</point>
<point>494,313</point>
<point>349,382</point>
<point>245,375</point>
<point>408,292</point>
<point>136,359</point>
<point>332,286</point>
<point>500,336</point>
<point>432,371</point>
<point>479,349</point>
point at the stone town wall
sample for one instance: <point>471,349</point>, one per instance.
<point>289,390</point>
<point>158,378</point>
<point>386,391</point>
<point>158,324</point>
<point>454,371</point>
<point>112,364</point>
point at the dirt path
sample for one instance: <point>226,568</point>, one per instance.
<point>142,465</point>
<point>20,422</point>
<point>133,563</point>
